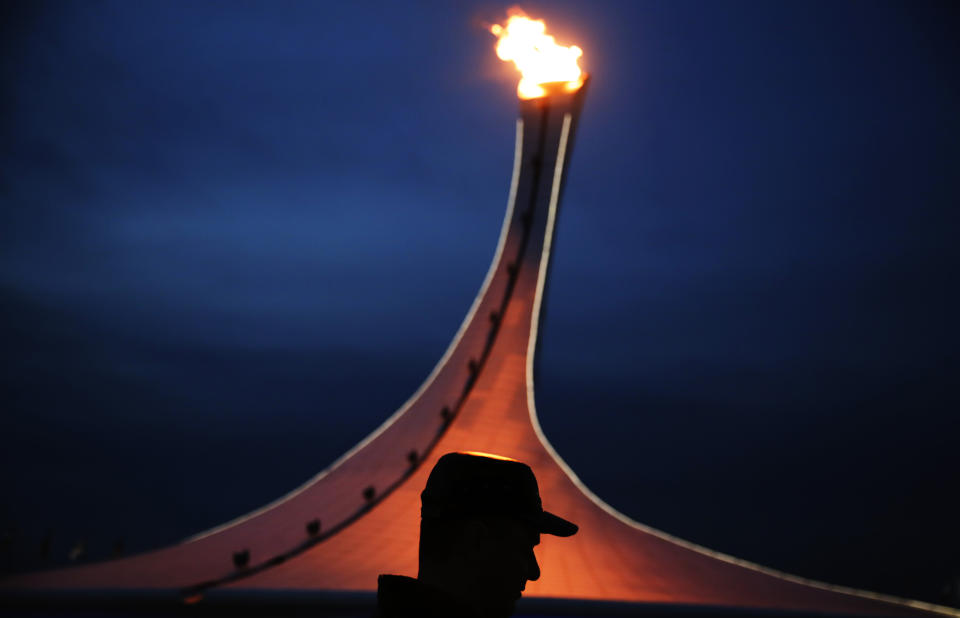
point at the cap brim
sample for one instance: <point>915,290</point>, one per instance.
<point>557,526</point>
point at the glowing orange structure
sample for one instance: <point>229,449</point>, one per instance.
<point>360,517</point>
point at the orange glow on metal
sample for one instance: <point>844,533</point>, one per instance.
<point>538,57</point>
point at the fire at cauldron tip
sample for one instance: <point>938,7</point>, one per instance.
<point>544,65</point>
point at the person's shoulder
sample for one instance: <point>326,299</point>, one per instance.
<point>399,596</point>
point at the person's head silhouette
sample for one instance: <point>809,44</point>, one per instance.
<point>481,517</point>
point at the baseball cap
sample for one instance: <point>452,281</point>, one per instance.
<point>471,483</point>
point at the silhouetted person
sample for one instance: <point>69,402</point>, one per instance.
<point>481,517</point>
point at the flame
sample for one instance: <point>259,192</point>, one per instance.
<point>537,56</point>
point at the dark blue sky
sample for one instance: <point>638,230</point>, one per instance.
<point>236,236</point>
